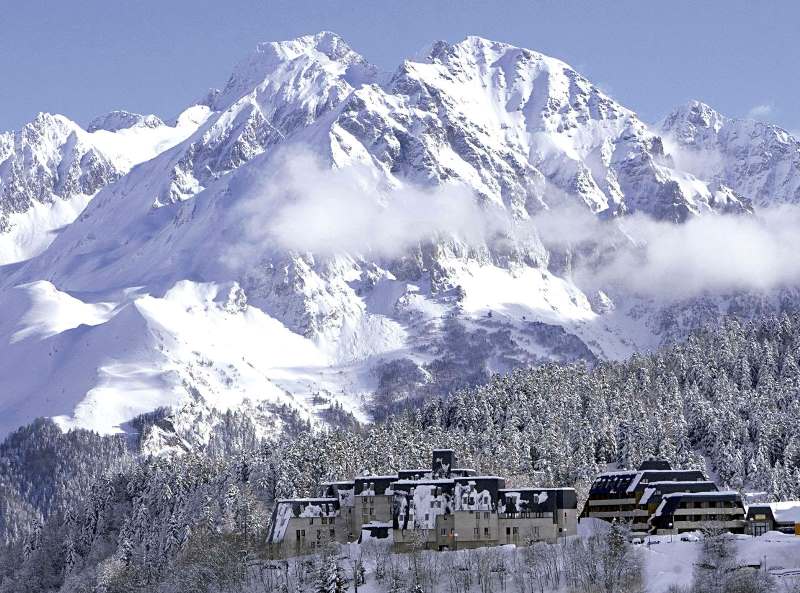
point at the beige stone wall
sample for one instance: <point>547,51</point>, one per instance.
<point>457,530</point>
<point>315,532</point>
<point>367,509</point>
<point>521,530</point>
<point>568,521</point>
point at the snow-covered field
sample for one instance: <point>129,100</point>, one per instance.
<point>667,561</point>
<point>671,560</point>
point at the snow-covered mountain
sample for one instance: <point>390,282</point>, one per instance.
<point>51,168</point>
<point>313,240</point>
<point>756,159</point>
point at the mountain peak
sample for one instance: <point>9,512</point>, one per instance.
<point>693,114</point>
<point>478,48</point>
<point>326,49</point>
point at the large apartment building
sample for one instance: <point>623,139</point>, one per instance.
<point>658,499</point>
<point>441,508</point>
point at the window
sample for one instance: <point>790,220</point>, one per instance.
<point>515,530</point>
<point>486,532</point>
<point>298,533</point>
<point>508,530</point>
<point>332,533</point>
<point>312,521</point>
<point>476,532</point>
<point>332,520</point>
<point>486,515</point>
<point>444,531</point>
<point>324,520</point>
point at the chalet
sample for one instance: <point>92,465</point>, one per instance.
<point>444,507</point>
<point>774,516</point>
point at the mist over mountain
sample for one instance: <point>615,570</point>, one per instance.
<point>319,235</point>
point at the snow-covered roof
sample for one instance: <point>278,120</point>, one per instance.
<point>679,482</point>
<point>648,493</point>
<point>787,511</point>
<point>322,499</point>
<point>639,475</point>
<point>627,472</point>
<point>425,481</point>
<point>678,487</point>
<point>534,489</point>
<point>713,494</point>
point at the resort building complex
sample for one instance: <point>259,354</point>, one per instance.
<point>438,508</point>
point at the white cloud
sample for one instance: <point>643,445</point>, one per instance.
<point>761,111</point>
<point>306,207</point>
<point>712,253</point>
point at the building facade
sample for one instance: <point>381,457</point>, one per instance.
<point>656,499</point>
<point>774,516</point>
<point>441,508</point>
<point>679,512</point>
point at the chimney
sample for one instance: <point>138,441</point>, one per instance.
<point>444,461</point>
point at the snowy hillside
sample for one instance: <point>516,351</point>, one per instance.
<point>325,234</point>
<point>51,168</point>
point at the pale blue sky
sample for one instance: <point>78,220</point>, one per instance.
<point>85,57</point>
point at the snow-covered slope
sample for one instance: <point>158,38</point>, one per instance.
<point>329,234</point>
<point>51,168</point>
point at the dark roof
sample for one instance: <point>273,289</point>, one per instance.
<point>405,486</point>
<point>612,483</point>
<point>670,487</point>
<point>653,463</point>
<point>533,501</point>
<point>333,488</point>
<point>671,502</point>
<point>492,484</point>
<point>380,483</point>
<point>626,483</point>
<point>760,509</point>
<point>409,474</point>
<point>299,504</point>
